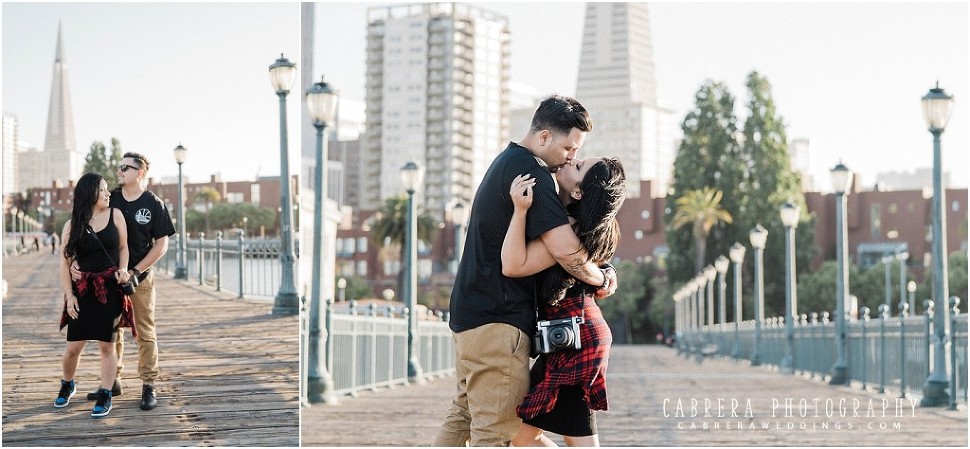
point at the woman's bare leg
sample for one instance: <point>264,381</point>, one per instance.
<point>72,356</point>
<point>590,441</point>
<point>531,436</point>
<point>109,364</point>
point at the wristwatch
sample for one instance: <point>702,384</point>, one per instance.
<point>136,272</point>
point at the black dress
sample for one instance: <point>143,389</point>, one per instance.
<point>97,320</point>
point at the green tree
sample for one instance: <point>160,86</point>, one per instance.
<point>208,196</point>
<point>99,161</point>
<point>626,310</point>
<point>357,288</point>
<point>390,226</point>
<point>700,210</point>
<point>707,158</point>
<point>768,183</point>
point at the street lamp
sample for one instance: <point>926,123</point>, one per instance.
<point>736,254</point>
<point>281,75</point>
<point>710,273</point>
<point>180,260</point>
<point>341,289</point>
<point>911,288</point>
<point>321,103</point>
<point>937,107</point>
<point>721,265</point>
<point>789,218</point>
<point>841,181</point>
<point>758,236</point>
<point>411,178</point>
<point>902,257</point>
<point>458,215</point>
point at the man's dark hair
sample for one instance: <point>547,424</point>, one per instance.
<point>142,160</point>
<point>561,114</point>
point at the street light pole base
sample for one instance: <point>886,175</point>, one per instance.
<point>786,366</point>
<point>286,304</point>
<point>840,375</point>
<point>415,373</point>
<point>320,390</point>
<point>935,394</point>
<point>181,273</point>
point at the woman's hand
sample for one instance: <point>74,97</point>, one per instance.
<point>122,276</point>
<point>72,306</point>
<point>521,191</point>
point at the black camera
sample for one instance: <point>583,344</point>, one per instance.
<point>129,287</point>
<point>557,335</point>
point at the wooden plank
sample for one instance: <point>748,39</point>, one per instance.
<point>228,370</point>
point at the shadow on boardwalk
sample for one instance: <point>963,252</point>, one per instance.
<point>228,370</point>
<point>659,399</point>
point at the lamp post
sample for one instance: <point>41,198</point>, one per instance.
<point>758,236</point>
<point>911,288</point>
<point>789,218</point>
<point>321,103</point>
<point>721,266</point>
<point>180,260</point>
<point>458,214</point>
<point>841,181</point>
<point>341,289</point>
<point>411,178</point>
<point>281,75</point>
<point>736,254</point>
<point>710,274</point>
<point>937,107</point>
<point>902,257</point>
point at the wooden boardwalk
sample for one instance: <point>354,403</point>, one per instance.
<point>646,384</point>
<point>228,370</point>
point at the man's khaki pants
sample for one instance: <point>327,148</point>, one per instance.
<point>143,302</point>
<point>492,370</point>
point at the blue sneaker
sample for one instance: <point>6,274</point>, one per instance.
<point>103,406</point>
<point>68,390</point>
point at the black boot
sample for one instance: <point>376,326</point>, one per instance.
<point>115,391</point>
<point>148,401</point>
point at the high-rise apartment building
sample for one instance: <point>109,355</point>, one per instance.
<point>618,86</point>
<point>436,94</point>
<point>10,136</point>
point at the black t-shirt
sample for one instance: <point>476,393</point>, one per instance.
<point>481,294</point>
<point>147,220</point>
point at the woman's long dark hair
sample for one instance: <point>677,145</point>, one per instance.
<point>596,226</point>
<point>86,194</point>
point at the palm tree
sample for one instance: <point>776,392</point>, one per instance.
<point>700,209</point>
<point>390,226</point>
<point>207,196</point>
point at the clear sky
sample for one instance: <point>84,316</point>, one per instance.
<point>158,74</point>
<point>847,76</point>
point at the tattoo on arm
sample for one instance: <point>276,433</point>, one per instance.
<point>577,269</point>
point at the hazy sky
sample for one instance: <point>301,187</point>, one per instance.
<point>847,76</point>
<point>158,74</point>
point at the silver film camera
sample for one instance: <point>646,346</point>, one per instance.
<point>557,335</point>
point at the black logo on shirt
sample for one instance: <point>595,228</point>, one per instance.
<point>143,216</point>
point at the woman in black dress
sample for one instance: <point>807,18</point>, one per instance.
<point>568,386</point>
<point>96,237</point>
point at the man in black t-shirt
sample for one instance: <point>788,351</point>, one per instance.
<point>493,316</point>
<point>149,226</point>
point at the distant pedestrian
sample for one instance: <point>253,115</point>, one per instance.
<point>53,239</point>
<point>37,243</point>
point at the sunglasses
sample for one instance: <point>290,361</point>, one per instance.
<point>125,167</point>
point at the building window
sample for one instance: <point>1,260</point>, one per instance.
<point>362,268</point>
<point>955,206</point>
<point>349,246</point>
<point>361,244</point>
<point>638,235</point>
<point>892,208</point>
<point>339,244</point>
<point>254,193</point>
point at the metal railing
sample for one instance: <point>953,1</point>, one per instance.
<point>249,268</point>
<point>366,348</point>
<point>884,353</point>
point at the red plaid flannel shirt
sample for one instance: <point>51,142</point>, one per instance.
<point>584,368</point>
<point>101,294</point>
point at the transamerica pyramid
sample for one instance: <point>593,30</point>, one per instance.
<point>64,159</point>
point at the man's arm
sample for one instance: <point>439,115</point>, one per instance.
<point>157,251</point>
<point>568,251</point>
